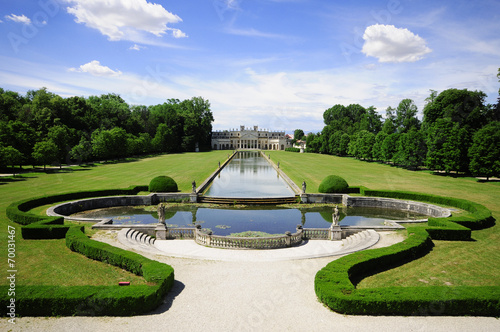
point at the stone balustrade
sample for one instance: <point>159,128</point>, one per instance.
<point>231,242</point>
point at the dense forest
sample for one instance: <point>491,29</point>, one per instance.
<point>42,128</point>
<point>459,133</point>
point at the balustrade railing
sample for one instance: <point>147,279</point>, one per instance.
<point>316,233</point>
<point>232,242</point>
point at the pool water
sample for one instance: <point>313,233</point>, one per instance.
<point>249,174</point>
<point>227,220</point>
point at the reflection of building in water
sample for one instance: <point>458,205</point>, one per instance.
<point>248,138</point>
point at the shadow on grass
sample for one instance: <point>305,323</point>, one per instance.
<point>488,181</point>
<point>17,178</point>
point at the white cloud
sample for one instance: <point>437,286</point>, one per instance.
<point>18,18</point>
<point>95,68</point>
<point>122,19</point>
<point>391,44</point>
<point>178,33</point>
<point>136,47</point>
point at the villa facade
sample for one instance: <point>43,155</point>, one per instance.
<point>250,138</point>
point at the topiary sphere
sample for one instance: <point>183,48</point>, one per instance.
<point>162,184</point>
<point>333,184</point>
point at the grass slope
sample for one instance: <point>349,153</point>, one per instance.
<point>41,262</point>
<point>450,263</point>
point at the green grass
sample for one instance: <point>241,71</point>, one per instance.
<point>50,262</point>
<point>464,263</point>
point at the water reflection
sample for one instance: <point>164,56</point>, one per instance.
<point>227,220</point>
<point>248,174</point>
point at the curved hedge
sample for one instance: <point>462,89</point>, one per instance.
<point>86,300</point>
<point>162,184</point>
<point>333,184</point>
<point>45,227</point>
<point>97,300</point>
<point>335,284</point>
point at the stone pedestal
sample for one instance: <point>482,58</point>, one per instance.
<point>161,231</point>
<point>193,198</point>
<point>335,233</point>
<point>303,198</point>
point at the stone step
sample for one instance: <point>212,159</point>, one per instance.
<point>248,201</point>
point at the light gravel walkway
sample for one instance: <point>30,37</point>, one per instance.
<point>213,295</point>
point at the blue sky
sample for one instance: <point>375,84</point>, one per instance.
<point>277,64</point>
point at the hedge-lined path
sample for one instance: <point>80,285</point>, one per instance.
<point>240,296</point>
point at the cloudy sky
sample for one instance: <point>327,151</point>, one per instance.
<point>274,63</point>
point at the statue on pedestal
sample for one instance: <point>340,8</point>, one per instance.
<point>193,184</point>
<point>335,216</point>
<point>161,213</point>
<point>304,187</point>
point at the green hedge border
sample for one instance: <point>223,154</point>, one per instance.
<point>335,284</point>
<point>45,227</point>
<point>86,300</point>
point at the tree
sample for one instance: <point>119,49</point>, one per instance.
<point>390,147</point>
<point>406,116</point>
<point>197,123</point>
<point>485,151</point>
<point>61,136</point>
<point>371,121</point>
<point>361,145</point>
<point>45,152</point>
<point>377,146</point>
<point>298,134</point>
<point>411,149</point>
<point>344,144</point>
<point>389,126</point>
<point>443,146</point>
<point>82,151</point>
<point>109,144</point>
<point>10,156</point>
<point>460,106</point>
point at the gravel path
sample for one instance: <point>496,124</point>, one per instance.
<point>213,295</point>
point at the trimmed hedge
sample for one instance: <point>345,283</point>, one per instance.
<point>480,217</point>
<point>292,149</point>
<point>335,284</point>
<point>333,184</point>
<point>97,300</point>
<point>86,300</point>
<point>163,184</point>
<point>45,227</point>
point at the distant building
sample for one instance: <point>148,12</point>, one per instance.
<point>248,138</point>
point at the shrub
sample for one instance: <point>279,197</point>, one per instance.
<point>333,184</point>
<point>162,184</point>
<point>40,300</point>
<point>292,149</point>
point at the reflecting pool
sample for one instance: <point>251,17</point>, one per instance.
<point>227,220</point>
<point>249,174</point>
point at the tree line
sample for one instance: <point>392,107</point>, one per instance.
<point>42,128</point>
<point>459,132</point>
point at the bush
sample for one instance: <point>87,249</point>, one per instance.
<point>42,300</point>
<point>292,149</point>
<point>333,184</point>
<point>163,184</point>
<point>335,284</point>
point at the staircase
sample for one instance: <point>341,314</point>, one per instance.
<point>248,201</point>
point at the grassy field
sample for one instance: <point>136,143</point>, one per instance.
<point>450,263</point>
<point>454,263</point>
<point>51,262</point>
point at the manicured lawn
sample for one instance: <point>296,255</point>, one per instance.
<point>50,262</point>
<point>450,263</point>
